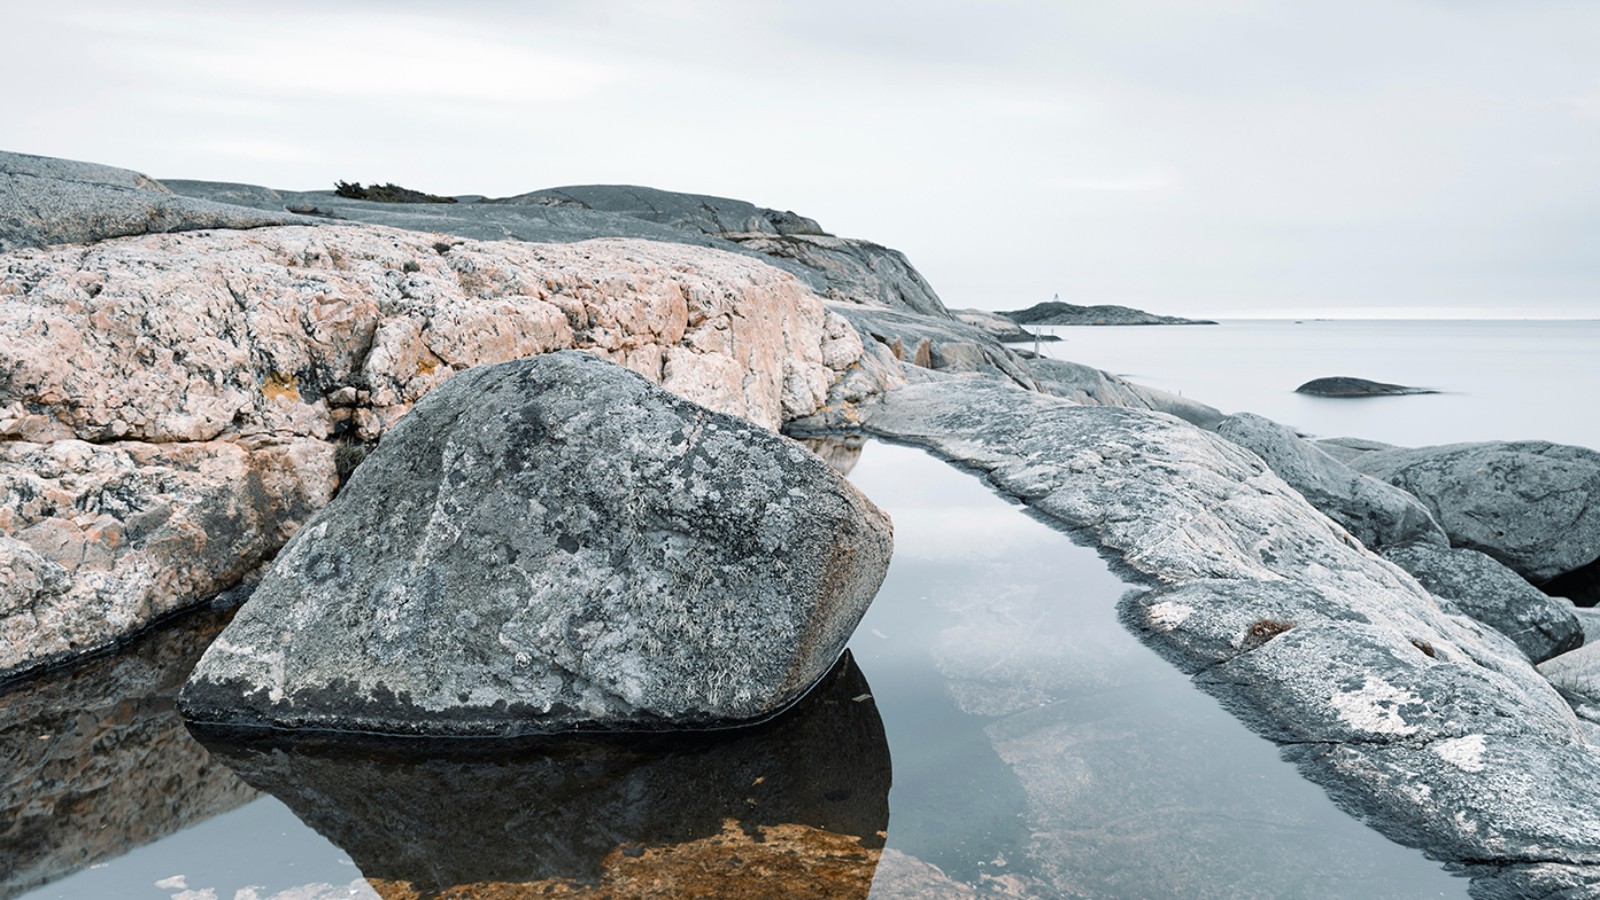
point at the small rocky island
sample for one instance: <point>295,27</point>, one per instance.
<point>1054,312</point>
<point>192,372</point>
<point>1345,386</point>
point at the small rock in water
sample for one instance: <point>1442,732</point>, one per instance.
<point>554,544</point>
<point>1344,386</point>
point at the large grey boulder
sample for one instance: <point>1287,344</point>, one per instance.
<point>1377,513</point>
<point>45,201</point>
<point>554,544</point>
<point>1532,505</point>
<point>1543,626</point>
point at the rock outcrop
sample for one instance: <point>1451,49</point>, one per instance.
<point>1345,386</point>
<point>999,327</point>
<point>554,544</point>
<point>1532,505</point>
<point>1093,387</point>
<point>1430,726</point>
<point>1055,312</point>
<point>46,201</point>
<point>211,373</point>
<point>1541,625</point>
<point>1378,514</point>
<point>842,269</point>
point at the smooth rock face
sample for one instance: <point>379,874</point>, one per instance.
<point>936,343</point>
<point>1532,505</point>
<point>1576,672</point>
<point>45,201</point>
<point>1427,724</point>
<point>999,327</point>
<point>553,544</point>
<point>1377,513</point>
<point>1344,386</point>
<point>1541,625</point>
<point>1093,387</point>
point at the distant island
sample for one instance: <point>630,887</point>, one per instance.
<point>1057,313</point>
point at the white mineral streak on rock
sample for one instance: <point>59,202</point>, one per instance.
<point>167,401</point>
<point>1167,616</point>
<point>1376,707</point>
<point>1465,753</point>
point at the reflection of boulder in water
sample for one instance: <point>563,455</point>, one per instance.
<point>97,762</point>
<point>796,806</point>
<point>840,451</point>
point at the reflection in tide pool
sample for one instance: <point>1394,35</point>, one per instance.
<point>795,807</point>
<point>1038,750</point>
<point>1041,750</point>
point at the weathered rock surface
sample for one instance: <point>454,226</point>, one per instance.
<point>842,269</point>
<point>576,815</point>
<point>1345,386</point>
<point>1543,626</point>
<point>97,761</point>
<point>98,540</point>
<point>1576,672</point>
<point>999,327</point>
<point>1532,505</point>
<point>937,344</point>
<point>46,201</point>
<point>1345,449</point>
<point>189,436</point>
<point>1377,513</point>
<point>605,555</point>
<point>1057,313</point>
<point>1093,387</point>
<point>1432,727</point>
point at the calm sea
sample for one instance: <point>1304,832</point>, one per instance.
<point>1498,380</point>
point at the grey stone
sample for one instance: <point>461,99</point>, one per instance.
<point>1543,626</point>
<point>999,327</point>
<point>45,201</point>
<point>1345,449</point>
<point>1345,386</point>
<point>1093,387</point>
<point>1430,726</point>
<point>1576,672</point>
<point>1377,513</point>
<point>939,344</point>
<point>554,544</point>
<point>842,269</point>
<point>1057,313</point>
<point>1529,504</point>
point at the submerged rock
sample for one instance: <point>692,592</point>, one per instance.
<point>1541,625</point>
<point>1377,513</point>
<point>796,805</point>
<point>1532,505</point>
<point>59,201</point>
<point>553,544</point>
<point>1344,386</point>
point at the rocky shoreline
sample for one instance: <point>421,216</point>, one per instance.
<point>1370,609</point>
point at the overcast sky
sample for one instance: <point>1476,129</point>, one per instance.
<point>1223,157</point>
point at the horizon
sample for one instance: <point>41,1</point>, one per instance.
<point>1187,157</point>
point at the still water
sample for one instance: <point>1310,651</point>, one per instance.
<point>998,733</point>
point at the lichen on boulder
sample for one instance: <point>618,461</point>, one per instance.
<point>554,544</point>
